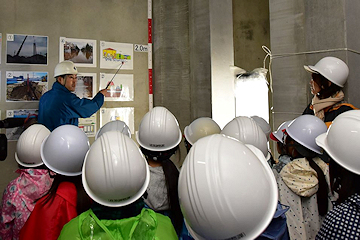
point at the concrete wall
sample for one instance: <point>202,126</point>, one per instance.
<point>195,42</point>
<point>108,20</point>
<point>303,32</point>
<point>251,31</point>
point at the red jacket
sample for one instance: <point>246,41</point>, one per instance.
<point>47,220</point>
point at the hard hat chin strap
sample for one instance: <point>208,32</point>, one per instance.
<point>64,77</point>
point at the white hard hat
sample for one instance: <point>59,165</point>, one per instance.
<point>213,207</point>
<point>247,131</point>
<point>28,146</point>
<point>115,173</point>
<point>64,150</point>
<point>159,130</point>
<point>199,128</point>
<point>116,125</point>
<point>332,68</point>
<point>278,135</point>
<point>263,124</point>
<point>342,140</point>
<point>304,129</point>
<point>65,67</point>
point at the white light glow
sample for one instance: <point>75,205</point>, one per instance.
<point>251,95</point>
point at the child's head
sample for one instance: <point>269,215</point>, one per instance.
<point>64,150</point>
<point>246,130</point>
<point>199,128</point>
<point>28,147</point>
<point>279,137</point>
<point>115,173</point>
<point>280,148</point>
<point>159,131</point>
<point>302,132</point>
<point>342,144</point>
<point>207,180</point>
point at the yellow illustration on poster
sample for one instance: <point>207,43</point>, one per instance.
<point>13,134</point>
<point>23,86</point>
<point>120,86</point>
<point>26,49</point>
<point>86,88</point>
<point>112,55</point>
<point>80,51</point>
<point>125,114</point>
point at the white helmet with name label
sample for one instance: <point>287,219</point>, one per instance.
<point>159,130</point>
<point>212,207</point>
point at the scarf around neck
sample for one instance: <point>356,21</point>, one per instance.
<point>320,104</point>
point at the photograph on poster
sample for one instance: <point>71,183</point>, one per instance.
<point>86,85</point>
<point>26,49</point>
<point>125,114</point>
<point>13,134</point>
<point>85,88</point>
<point>80,51</point>
<point>25,86</point>
<point>112,55</point>
<point>88,125</point>
<point>121,86</point>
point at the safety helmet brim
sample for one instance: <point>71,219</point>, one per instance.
<point>186,133</point>
<point>273,137</point>
<point>25,164</point>
<point>311,69</point>
<point>158,148</point>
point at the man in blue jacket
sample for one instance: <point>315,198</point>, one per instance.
<point>60,106</point>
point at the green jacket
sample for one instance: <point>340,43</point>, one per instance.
<point>146,225</point>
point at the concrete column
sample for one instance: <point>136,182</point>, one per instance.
<point>222,57</point>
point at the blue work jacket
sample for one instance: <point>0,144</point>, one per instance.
<point>59,106</point>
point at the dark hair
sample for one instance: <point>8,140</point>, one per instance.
<point>281,148</point>
<point>326,90</point>
<point>322,192</point>
<point>187,145</point>
<point>83,202</point>
<point>171,177</point>
<point>342,181</point>
<point>114,213</point>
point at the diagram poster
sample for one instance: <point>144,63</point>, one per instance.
<point>113,55</point>
<point>85,88</point>
<point>121,86</point>
<point>88,125</point>
<point>13,134</point>
<point>125,114</point>
<point>25,86</point>
<point>86,85</point>
<point>26,49</point>
<point>80,51</point>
